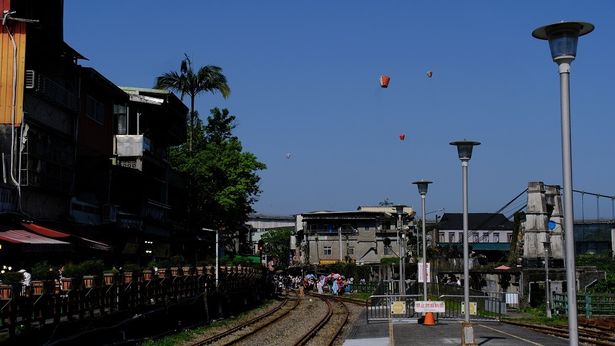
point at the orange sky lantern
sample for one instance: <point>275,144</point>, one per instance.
<point>384,81</point>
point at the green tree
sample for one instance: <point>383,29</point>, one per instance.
<point>277,244</point>
<point>208,78</point>
<point>224,180</point>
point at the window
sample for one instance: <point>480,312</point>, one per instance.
<point>496,237</point>
<point>475,238</point>
<point>509,236</point>
<point>388,250</point>
<point>95,110</point>
<point>350,250</point>
<point>451,237</point>
<point>442,237</point>
<point>122,120</point>
<point>461,237</point>
<point>327,250</point>
<point>485,238</point>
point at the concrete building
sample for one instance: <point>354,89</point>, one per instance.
<point>489,233</point>
<point>260,224</point>
<point>363,236</point>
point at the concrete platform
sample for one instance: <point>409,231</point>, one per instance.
<point>444,333</point>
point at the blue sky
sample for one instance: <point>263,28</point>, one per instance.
<point>304,80</point>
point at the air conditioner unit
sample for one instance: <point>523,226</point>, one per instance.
<point>30,79</point>
<point>109,213</point>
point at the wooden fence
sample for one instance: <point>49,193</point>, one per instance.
<point>56,302</point>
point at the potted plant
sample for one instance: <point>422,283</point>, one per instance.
<point>176,263</point>
<point>91,270</point>
<point>131,273</point>
<point>70,273</point>
<point>110,276</point>
<point>10,281</point>
<point>43,278</point>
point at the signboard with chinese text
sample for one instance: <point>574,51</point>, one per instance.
<point>429,306</point>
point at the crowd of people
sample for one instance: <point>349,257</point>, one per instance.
<point>333,283</point>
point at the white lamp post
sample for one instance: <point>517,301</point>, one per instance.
<point>212,230</point>
<point>399,209</point>
<point>423,185</point>
<point>563,38</point>
<point>464,150</point>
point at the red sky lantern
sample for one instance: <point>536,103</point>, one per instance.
<point>402,136</point>
<point>384,81</point>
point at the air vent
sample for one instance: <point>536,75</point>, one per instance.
<point>30,79</point>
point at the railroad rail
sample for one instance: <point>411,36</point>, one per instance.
<point>337,329</point>
<point>591,335</point>
<point>251,322</point>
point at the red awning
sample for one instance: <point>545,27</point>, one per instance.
<point>48,232</point>
<point>18,236</point>
<point>44,231</point>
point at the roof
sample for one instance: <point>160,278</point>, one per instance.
<point>48,232</point>
<point>344,215</point>
<point>476,221</point>
<point>18,236</point>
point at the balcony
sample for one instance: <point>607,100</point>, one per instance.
<point>51,90</point>
<point>156,211</point>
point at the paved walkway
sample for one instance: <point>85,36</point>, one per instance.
<point>444,333</point>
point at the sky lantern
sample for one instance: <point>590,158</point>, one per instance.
<point>384,81</point>
<point>402,136</point>
<point>288,155</point>
<point>429,74</point>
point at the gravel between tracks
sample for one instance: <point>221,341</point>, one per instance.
<point>293,326</point>
<point>222,325</point>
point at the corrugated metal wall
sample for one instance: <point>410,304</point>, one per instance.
<point>6,68</point>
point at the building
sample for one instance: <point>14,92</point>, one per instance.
<point>81,153</point>
<point>488,233</point>
<point>363,236</point>
<point>260,224</point>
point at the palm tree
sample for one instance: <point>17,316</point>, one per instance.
<point>208,78</point>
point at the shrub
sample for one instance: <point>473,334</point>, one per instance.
<point>11,278</point>
<point>44,271</point>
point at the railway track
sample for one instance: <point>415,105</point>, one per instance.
<point>257,323</point>
<point>322,328</point>
<point>589,335</point>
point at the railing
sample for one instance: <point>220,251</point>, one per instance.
<point>590,304</point>
<point>50,303</point>
<point>484,308</point>
<point>386,307</point>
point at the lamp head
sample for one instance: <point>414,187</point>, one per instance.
<point>563,37</point>
<point>422,185</point>
<point>464,148</point>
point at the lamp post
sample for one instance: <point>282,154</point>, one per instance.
<point>423,185</point>
<point>464,151</point>
<point>563,38</point>
<point>217,249</point>
<point>399,209</point>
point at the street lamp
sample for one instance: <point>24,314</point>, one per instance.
<point>212,230</point>
<point>423,185</point>
<point>399,209</point>
<point>464,150</point>
<point>563,38</point>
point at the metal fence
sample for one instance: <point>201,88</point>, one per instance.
<point>590,304</point>
<point>487,307</point>
<point>386,307</point>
